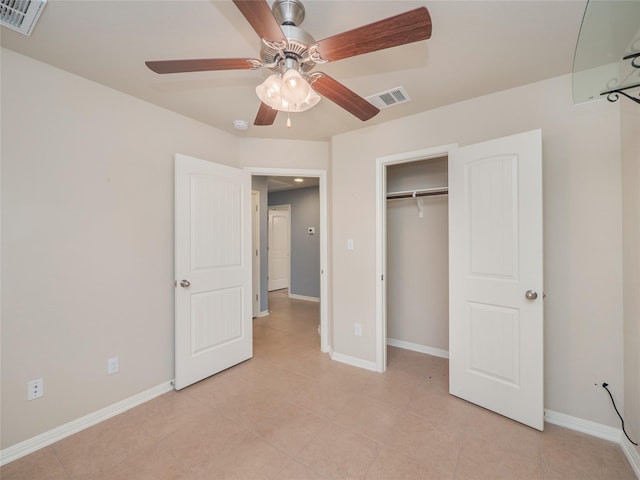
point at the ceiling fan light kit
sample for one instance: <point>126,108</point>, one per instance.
<point>287,91</point>
<point>291,53</point>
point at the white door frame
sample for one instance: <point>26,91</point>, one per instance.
<point>381,234</point>
<point>287,208</point>
<point>255,253</point>
<point>324,289</point>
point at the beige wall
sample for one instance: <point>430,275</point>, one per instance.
<point>292,154</point>
<point>418,272</point>
<point>582,222</point>
<point>87,241</point>
<point>630,125</point>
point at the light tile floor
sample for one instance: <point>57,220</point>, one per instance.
<point>293,413</point>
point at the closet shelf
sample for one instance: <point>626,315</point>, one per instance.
<point>426,192</point>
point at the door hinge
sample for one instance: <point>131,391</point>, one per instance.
<point>382,277</point>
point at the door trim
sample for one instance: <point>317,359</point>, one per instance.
<point>324,275</point>
<point>255,256</point>
<point>381,231</point>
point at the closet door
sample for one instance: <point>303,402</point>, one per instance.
<point>496,308</point>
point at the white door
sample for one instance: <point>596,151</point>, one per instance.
<point>495,232</point>
<point>212,267</point>
<point>279,240</point>
<point>255,251</point>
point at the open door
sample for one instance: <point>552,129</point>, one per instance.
<point>213,329</point>
<point>496,307</point>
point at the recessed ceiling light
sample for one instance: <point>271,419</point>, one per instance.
<point>299,180</point>
<point>240,124</point>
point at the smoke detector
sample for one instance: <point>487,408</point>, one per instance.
<point>240,124</point>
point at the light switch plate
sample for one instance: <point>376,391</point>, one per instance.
<point>113,365</point>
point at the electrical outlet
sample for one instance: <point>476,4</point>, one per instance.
<point>357,329</point>
<point>35,389</point>
<point>113,365</point>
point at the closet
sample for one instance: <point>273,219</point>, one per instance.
<point>417,255</point>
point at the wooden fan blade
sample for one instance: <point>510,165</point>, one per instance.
<point>407,27</point>
<point>202,65</point>
<point>342,96</point>
<point>259,15</point>
<point>266,115</point>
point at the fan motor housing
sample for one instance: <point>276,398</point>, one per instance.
<point>297,47</point>
<point>288,12</point>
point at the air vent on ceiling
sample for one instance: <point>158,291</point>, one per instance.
<point>389,98</point>
<point>21,15</point>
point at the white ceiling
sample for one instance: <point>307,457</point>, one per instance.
<point>277,184</point>
<point>477,47</point>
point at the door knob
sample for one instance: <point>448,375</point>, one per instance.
<point>185,283</point>
<point>530,295</point>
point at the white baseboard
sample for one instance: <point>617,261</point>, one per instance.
<point>30,445</point>
<point>436,352</point>
<point>353,361</point>
<point>597,430</point>
<point>585,426</point>
<point>632,454</point>
<point>263,313</point>
<point>303,297</point>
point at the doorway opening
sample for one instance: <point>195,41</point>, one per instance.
<point>412,253</point>
<point>307,235</point>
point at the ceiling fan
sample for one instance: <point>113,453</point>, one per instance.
<point>292,54</point>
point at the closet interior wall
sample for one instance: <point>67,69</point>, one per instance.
<point>418,258</point>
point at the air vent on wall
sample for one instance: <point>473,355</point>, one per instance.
<point>389,98</point>
<point>21,15</point>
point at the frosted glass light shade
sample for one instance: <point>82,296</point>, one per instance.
<point>269,91</point>
<point>309,101</point>
<point>289,93</point>
<point>294,88</point>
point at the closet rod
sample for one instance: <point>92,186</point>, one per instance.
<point>393,196</point>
